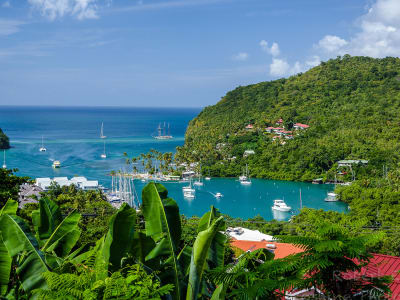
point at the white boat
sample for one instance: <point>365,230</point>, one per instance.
<point>207,178</point>
<point>331,197</point>
<point>188,194</point>
<point>162,134</point>
<point>218,195</point>
<point>188,188</point>
<point>4,161</point>
<point>42,149</point>
<point>56,164</point>
<point>280,205</point>
<point>102,136</point>
<point>103,155</point>
<point>244,179</point>
<point>198,182</point>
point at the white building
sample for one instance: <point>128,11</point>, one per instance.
<point>89,185</point>
<point>80,182</point>
<point>244,234</point>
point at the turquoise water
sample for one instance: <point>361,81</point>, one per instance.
<point>71,135</point>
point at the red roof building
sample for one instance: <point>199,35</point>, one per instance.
<point>381,265</point>
<point>250,126</point>
<point>280,250</point>
<point>300,126</point>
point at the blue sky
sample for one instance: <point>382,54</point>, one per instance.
<point>176,52</point>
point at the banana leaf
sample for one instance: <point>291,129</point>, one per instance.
<point>46,219</point>
<point>65,235</point>
<point>163,224</point>
<point>217,248</point>
<point>201,247</point>
<point>19,240</point>
<point>10,208</point>
<point>117,242</point>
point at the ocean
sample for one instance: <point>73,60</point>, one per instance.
<point>72,136</point>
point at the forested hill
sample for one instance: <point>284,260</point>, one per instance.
<point>352,107</point>
<point>4,141</point>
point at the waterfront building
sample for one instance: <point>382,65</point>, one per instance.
<point>79,182</point>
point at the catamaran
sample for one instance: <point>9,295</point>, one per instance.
<point>103,155</point>
<point>42,149</point>
<point>162,134</point>
<point>4,161</point>
<point>244,179</point>
<point>102,136</point>
<point>280,205</point>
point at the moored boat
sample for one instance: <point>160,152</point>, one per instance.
<point>331,197</point>
<point>280,205</point>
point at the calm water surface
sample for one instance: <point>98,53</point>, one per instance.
<point>71,135</point>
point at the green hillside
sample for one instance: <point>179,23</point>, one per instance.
<point>4,141</point>
<point>352,105</point>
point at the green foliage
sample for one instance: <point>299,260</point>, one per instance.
<point>133,282</point>
<point>4,140</point>
<point>352,111</point>
<point>9,185</point>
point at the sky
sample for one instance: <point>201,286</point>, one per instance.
<point>176,53</point>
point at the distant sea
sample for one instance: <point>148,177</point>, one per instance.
<point>72,136</point>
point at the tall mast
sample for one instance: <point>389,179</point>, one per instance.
<point>4,163</point>
<point>169,132</point>
<point>164,128</point>
<point>101,130</point>
<point>42,141</point>
<point>159,129</point>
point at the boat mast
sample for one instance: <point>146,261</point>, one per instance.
<point>4,162</point>
<point>42,141</point>
<point>101,130</point>
<point>169,132</point>
<point>159,129</point>
<point>164,128</point>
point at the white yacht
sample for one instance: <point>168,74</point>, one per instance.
<point>187,194</point>
<point>218,195</point>
<point>56,164</point>
<point>4,161</point>
<point>244,179</point>
<point>188,188</point>
<point>207,178</point>
<point>280,205</point>
<point>331,197</point>
<point>42,149</point>
<point>104,155</point>
<point>102,136</point>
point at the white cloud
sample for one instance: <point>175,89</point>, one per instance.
<point>6,4</point>
<point>331,43</point>
<point>279,67</point>
<point>52,9</point>
<point>241,56</point>
<point>378,35</point>
<point>8,27</point>
<point>273,50</point>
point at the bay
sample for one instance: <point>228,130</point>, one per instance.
<point>71,135</point>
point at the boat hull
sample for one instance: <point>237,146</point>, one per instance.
<point>284,209</point>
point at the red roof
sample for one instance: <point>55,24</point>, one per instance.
<point>250,126</point>
<point>282,249</point>
<point>381,265</point>
<point>301,125</point>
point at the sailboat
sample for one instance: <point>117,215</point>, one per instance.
<point>4,162</point>
<point>198,182</point>
<point>162,134</point>
<point>42,149</point>
<point>102,136</point>
<point>244,179</point>
<point>103,155</point>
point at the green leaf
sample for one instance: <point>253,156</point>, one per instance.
<point>19,240</point>
<point>199,254</point>
<point>217,247</point>
<point>219,293</point>
<point>66,234</point>
<point>117,242</point>
<point>10,208</point>
<point>47,220</point>
<point>163,224</point>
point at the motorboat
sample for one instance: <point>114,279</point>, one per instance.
<point>218,195</point>
<point>207,178</point>
<point>56,164</point>
<point>331,197</point>
<point>280,205</point>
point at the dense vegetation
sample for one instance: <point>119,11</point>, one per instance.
<point>158,254</point>
<point>352,105</point>
<point>4,141</point>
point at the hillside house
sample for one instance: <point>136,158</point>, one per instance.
<point>279,122</point>
<point>300,126</point>
<point>351,162</point>
<point>249,127</point>
<point>248,152</point>
<point>28,193</point>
